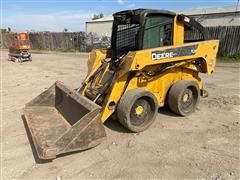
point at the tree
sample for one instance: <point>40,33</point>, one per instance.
<point>101,15</point>
<point>97,16</point>
<point>2,31</point>
<point>9,29</point>
<point>65,30</point>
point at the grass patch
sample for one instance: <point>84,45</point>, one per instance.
<point>42,50</point>
<point>65,50</point>
<point>229,59</point>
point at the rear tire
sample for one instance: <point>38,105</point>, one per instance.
<point>137,109</point>
<point>183,97</point>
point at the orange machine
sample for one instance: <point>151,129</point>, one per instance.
<point>18,45</point>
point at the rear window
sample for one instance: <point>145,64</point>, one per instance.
<point>192,34</point>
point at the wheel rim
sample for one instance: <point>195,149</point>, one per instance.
<point>141,112</point>
<point>188,99</point>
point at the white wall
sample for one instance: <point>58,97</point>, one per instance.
<point>221,21</point>
<point>100,28</point>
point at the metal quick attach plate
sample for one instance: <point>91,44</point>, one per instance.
<point>175,52</point>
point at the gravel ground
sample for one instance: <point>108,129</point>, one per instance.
<point>203,145</point>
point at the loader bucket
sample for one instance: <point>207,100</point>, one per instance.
<point>61,121</point>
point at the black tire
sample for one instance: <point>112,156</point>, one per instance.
<point>127,109</point>
<point>176,97</point>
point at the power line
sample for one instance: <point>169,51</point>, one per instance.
<point>237,5</point>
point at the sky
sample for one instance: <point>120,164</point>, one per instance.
<point>55,15</point>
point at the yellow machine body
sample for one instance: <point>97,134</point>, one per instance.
<point>137,61</point>
<point>61,120</point>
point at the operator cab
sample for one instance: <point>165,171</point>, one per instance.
<point>146,28</point>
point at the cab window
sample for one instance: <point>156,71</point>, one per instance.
<point>158,31</point>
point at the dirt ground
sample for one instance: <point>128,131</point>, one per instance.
<point>203,145</point>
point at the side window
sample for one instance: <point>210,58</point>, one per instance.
<point>158,31</point>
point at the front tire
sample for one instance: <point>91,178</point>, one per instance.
<point>183,97</point>
<point>137,109</point>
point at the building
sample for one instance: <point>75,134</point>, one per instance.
<point>222,16</point>
<point>102,26</point>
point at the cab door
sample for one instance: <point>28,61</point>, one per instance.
<point>158,31</point>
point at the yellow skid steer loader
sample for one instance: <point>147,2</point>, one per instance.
<point>151,63</point>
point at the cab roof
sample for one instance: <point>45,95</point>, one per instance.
<point>144,12</point>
